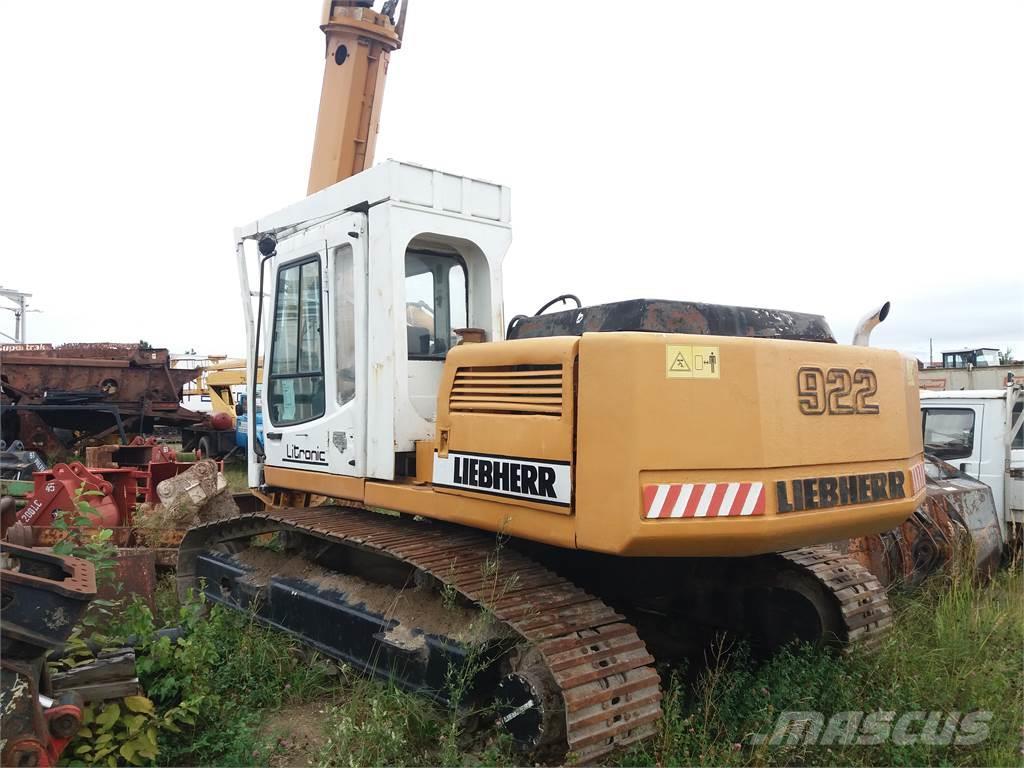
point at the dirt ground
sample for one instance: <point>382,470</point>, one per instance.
<point>296,733</point>
<point>415,610</point>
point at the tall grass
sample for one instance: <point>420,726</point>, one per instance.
<point>957,647</point>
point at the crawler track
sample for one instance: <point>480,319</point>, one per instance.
<point>861,598</point>
<point>605,676</point>
<point>608,692</point>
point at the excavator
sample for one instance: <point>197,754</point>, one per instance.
<point>545,511</point>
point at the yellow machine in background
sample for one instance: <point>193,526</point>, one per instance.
<point>659,471</point>
<point>220,378</point>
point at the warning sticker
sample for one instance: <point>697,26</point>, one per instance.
<point>691,362</point>
<point>910,368</point>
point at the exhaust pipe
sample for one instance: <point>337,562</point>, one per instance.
<point>862,336</point>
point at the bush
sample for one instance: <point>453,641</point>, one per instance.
<point>218,677</point>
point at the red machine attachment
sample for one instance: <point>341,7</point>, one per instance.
<point>37,728</point>
<point>144,450</point>
<point>57,489</point>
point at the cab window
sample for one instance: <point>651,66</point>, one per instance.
<point>296,359</point>
<point>948,432</point>
<point>345,324</point>
<point>435,302</point>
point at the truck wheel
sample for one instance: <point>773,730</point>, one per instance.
<point>203,449</point>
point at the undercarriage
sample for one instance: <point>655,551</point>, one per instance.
<point>560,648</point>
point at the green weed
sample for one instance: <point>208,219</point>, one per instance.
<point>956,647</point>
<point>228,668</point>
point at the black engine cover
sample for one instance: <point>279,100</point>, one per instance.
<point>658,316</point>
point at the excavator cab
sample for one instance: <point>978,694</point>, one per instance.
<point>370,281</point>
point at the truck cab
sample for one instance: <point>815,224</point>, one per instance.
<point>242,419</point>
<point>979,432</point>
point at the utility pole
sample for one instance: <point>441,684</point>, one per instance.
<point>20,300</point>
<point>931,354</point>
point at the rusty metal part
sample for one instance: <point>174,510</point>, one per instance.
<point>111,494</point>
<point>43,595</point>
<point>124,373</point>
<point>33,736</point>
<point>8,511</point>
<point>91,389</point>
<point>29,428</point>
<point>957,520</point>
<point>675,317</point>
<point>135,574</point>
<point>599,665</point>
<point>863,613</point>
<point>139,453</point>
<point>66,486</point>
<point>152,463</point>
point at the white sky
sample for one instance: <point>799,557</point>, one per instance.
<point>813,156</point>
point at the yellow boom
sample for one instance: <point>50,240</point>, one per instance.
<point>358,45</point>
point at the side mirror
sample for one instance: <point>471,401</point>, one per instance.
<point>240,409</point>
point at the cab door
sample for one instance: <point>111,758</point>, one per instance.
<point>314,387</point>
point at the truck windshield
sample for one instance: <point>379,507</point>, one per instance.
<point>948,432</point>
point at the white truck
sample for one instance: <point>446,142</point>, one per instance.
<point>980,432</point>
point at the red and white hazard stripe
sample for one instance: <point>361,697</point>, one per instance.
<point>703,500</point>
<point>917,477</point>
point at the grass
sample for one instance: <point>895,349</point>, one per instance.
<point>236,473</point>
<point>956,647</point>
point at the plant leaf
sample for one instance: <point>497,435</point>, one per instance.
<point>138,704</point>
<point>134,723</point>
<point>109,715</point>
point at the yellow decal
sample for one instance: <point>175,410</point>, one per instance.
<point>910,366</point>
<point>689,362</point>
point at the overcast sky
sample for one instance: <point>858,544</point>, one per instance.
<point>813,156</point>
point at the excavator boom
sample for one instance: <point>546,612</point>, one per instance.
<point>359,42</point>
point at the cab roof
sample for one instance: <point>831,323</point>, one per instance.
<point>958,394</point>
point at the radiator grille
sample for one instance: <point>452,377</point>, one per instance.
<point>518,389</point>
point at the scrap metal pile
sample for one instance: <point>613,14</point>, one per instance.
<point>57,399</point>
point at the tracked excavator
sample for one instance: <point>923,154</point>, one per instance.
<point>548,510</point>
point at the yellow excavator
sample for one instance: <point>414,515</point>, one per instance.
<point>552,507</point>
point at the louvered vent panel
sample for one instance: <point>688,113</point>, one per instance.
<point>519,389</point>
